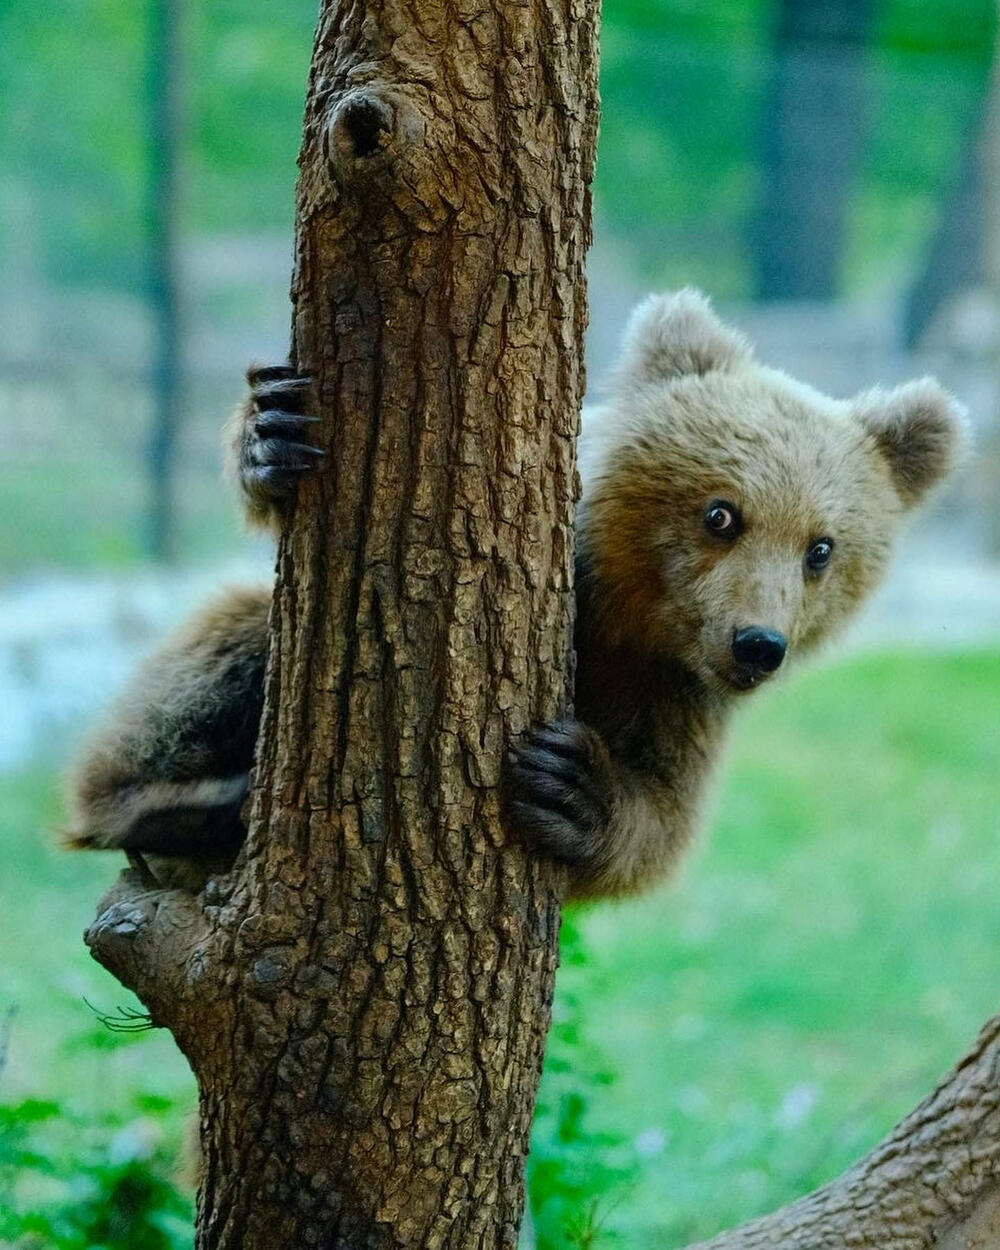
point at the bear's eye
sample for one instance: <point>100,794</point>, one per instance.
<point>722,518</point>
<point>819,553</point>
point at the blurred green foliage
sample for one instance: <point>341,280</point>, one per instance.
<point>91,1120</point>
<point>718,1047</point>
<point>683,92</point>
<point>68,1183</point>
<point>577,1173</point>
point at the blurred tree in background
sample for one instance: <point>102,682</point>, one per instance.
<point>812,132</point>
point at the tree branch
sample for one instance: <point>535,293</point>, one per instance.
<point>155,942</point>
<point>933,1182</point>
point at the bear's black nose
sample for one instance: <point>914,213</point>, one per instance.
<point>760,649</point>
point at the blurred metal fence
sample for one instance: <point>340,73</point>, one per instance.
<point>823,167</point>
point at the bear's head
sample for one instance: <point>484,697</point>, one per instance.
<point>732,515</point>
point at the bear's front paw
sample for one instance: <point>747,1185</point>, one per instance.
<point>274,453</point>
<point>559,793</point>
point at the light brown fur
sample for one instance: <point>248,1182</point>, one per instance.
<point>259,509</point>
<point>690,418</point>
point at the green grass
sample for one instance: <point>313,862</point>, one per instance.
<point>57,1047</point>
<point>826,954</point>
<point>831,950</point>
<point>91,1121</point>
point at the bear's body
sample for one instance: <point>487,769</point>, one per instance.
<point>729,515</point>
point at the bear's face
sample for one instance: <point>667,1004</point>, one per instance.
<point>734,516</point>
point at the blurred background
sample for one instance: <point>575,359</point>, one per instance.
<point>829,171</point>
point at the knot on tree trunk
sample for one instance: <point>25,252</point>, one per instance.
<point>388,154</point>
<point>373,130</point>
<point>360,128</point>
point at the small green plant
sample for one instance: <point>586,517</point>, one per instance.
<point>577,1175</point>
<point>70,1183</point>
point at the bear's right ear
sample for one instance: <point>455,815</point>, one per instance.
<point>671,336</point>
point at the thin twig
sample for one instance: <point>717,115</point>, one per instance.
<point>123,1019</point>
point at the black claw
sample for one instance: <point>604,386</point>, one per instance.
<point>568,738</point>
<point>557,836</point>
<point>276,453</point>
<point>305,451</point>
<point>257,375</point>
<point>578,795</point>
<point>541,759</point>
<point>545,790</point>
<point>288,394</point>
<point>278,483</point>
<point>277,424</point>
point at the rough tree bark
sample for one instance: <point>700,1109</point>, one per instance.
<point>364,1001</point>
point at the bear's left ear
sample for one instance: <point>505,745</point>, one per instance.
<point>921,431</point>
<point>670,336</point>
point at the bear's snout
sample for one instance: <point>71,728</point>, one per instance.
<point>759,650</point>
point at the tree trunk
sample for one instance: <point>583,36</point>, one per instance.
<point>365,1000</point>
<point>811,139</point>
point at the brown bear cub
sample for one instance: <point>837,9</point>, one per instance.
<point>732,519</point>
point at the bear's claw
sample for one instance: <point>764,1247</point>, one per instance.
<point>558,792</point>
<point>274,456</point>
